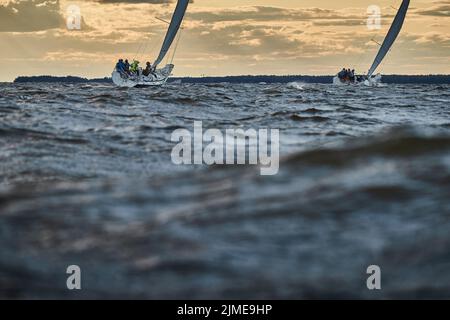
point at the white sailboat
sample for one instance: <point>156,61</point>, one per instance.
<point>394,31</point>
<point>158,76</point>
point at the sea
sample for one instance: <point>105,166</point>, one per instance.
<point>87,180</point>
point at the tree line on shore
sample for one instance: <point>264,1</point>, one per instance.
<point>398,79</point>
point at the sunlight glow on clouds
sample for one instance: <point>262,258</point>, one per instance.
<point>220,37</point>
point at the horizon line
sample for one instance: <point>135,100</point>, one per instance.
<point>228,76</point>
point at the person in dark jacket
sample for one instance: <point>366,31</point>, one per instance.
<point>127,66</point>
<point>341,74</point>
<point>120,66</point>
<point>148,69</point>
<point>352,75</point>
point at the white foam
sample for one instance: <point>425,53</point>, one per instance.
<point>296,85</point>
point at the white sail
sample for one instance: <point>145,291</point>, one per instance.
<point>391,36</point>
<point>174,26</point>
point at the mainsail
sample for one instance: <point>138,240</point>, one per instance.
<point>174,26</point>
<point>391,36</point>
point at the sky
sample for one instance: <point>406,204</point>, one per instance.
<point>221,37</point>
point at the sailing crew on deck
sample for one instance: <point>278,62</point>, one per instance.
<point>120,66</point>
<point>134,66</point>
<point>148,69</point>
<point>341,74</point>
<point>352,75</point>
<point>127,66</point>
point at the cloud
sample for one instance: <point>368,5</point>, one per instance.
<point>436,11</point>
<point>434,39</point>
<point>223,40</point>
<point>139,1</point>
<point>266,13</point>
<point>136,1</point>
<point>30,15</point>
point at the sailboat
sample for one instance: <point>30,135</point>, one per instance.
<point>158,76</point>
<point>394,31</point>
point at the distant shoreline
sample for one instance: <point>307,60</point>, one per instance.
<point>394,79</point>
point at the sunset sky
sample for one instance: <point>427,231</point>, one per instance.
<point>221,37</point>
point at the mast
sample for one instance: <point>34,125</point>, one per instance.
<point>391,36</point>
<point>174,26</point>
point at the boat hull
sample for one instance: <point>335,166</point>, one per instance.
<point>372,82</point>
<point>157,78</point>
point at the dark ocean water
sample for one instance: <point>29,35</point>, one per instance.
<point>86,178</point>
